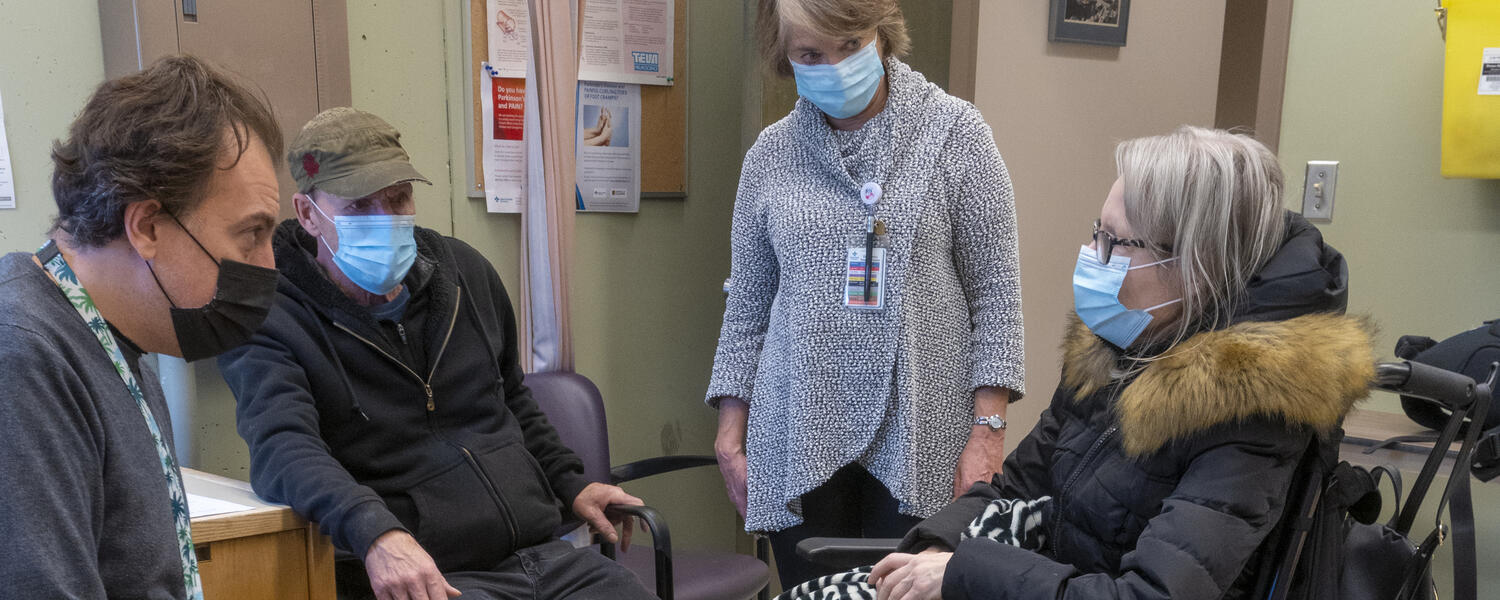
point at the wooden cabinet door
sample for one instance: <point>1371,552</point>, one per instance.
<point>270,566</point>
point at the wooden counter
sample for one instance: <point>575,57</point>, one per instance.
<point>258,550</point>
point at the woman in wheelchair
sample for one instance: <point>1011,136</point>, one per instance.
<point>1209,346</point>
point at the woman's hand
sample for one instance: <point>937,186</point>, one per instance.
<point>729,448</point>
<point>984,454</point>
<point>981,460</point>
<point>910,576</point>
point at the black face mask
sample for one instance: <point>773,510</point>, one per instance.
<point>242,299</point>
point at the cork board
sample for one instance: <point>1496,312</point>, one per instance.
<point>663,111</point>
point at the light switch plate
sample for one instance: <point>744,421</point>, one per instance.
<point>1318,190</point>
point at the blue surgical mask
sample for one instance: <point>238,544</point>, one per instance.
<point>844,89</point>
<point>1096,298</point>
<point>375,251</point>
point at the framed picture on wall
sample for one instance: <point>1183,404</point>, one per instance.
<point>1102,22</point>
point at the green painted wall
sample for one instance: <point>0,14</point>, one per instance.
<point>50,60</point>
<point>1368,93</point>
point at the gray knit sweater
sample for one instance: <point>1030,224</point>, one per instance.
<point>892,389</point>
<point>87,513</point>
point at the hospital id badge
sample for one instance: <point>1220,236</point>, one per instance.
<point>855,295</point>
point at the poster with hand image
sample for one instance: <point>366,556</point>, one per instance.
<point>608,150</point>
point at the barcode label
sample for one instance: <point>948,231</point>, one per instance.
<point>1489,72</point>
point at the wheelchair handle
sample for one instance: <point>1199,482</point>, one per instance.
<point>1450,389</point>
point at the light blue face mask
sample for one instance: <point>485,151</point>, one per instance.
<point>1096,298</point>
<point>844,89</point>
<point>375,251</point>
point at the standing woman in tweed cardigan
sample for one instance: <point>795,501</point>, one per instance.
<point>844,412</point>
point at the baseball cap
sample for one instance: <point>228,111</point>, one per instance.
<point>349,153</point>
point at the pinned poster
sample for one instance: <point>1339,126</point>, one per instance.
<point>7,178</point>
<point>503,102</point>
<point>509,36</point>
<point>627,41</point>
<point>608,147</point>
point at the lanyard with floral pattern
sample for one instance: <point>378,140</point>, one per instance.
<point>67,281</point>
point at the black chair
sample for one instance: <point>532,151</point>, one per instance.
<point>575,408</point>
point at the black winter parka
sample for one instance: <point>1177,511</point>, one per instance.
<point>1165,483</point>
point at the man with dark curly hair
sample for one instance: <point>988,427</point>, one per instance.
<point>167,197</point>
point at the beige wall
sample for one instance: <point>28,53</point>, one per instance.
<point>1057,111</point>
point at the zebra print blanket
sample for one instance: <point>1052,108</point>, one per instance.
<point>1014,522</point>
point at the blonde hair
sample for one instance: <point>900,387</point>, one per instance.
<point>1213,200</point>
<point>832,18</point>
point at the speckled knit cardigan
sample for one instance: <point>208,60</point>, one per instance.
<point>893,389</point>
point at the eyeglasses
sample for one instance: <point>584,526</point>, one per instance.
<point>1105,242</point>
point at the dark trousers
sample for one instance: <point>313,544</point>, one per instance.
<point>852,503</point>
<point>543,572</point>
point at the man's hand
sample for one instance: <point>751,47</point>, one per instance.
<point>401,570</point>
<point>729,448</point>
<point>910,576</point>
<point>590,505</point>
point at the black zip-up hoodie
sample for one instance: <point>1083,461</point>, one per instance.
<point>363,435</point>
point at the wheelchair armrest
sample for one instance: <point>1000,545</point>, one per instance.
<point>657,465</point>
<point>842,554</point>
<point>661,540</point>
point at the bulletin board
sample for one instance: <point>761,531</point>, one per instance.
<point>663,112</point>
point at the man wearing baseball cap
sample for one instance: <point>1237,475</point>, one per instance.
<point>383,399</point>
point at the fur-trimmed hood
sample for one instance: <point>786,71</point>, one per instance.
<point>1289,352</point>
<point>1309,370</point>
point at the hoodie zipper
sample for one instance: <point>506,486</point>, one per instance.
<point>426,382</point>
<point>1088,458</point>
<point>510,519</point>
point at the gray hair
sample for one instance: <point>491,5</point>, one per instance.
<point>832,18</point>
<point>1213,200</point>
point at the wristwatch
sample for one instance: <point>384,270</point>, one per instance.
<point>994,422</point>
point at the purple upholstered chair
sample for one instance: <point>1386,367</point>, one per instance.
<point>575,408</point>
